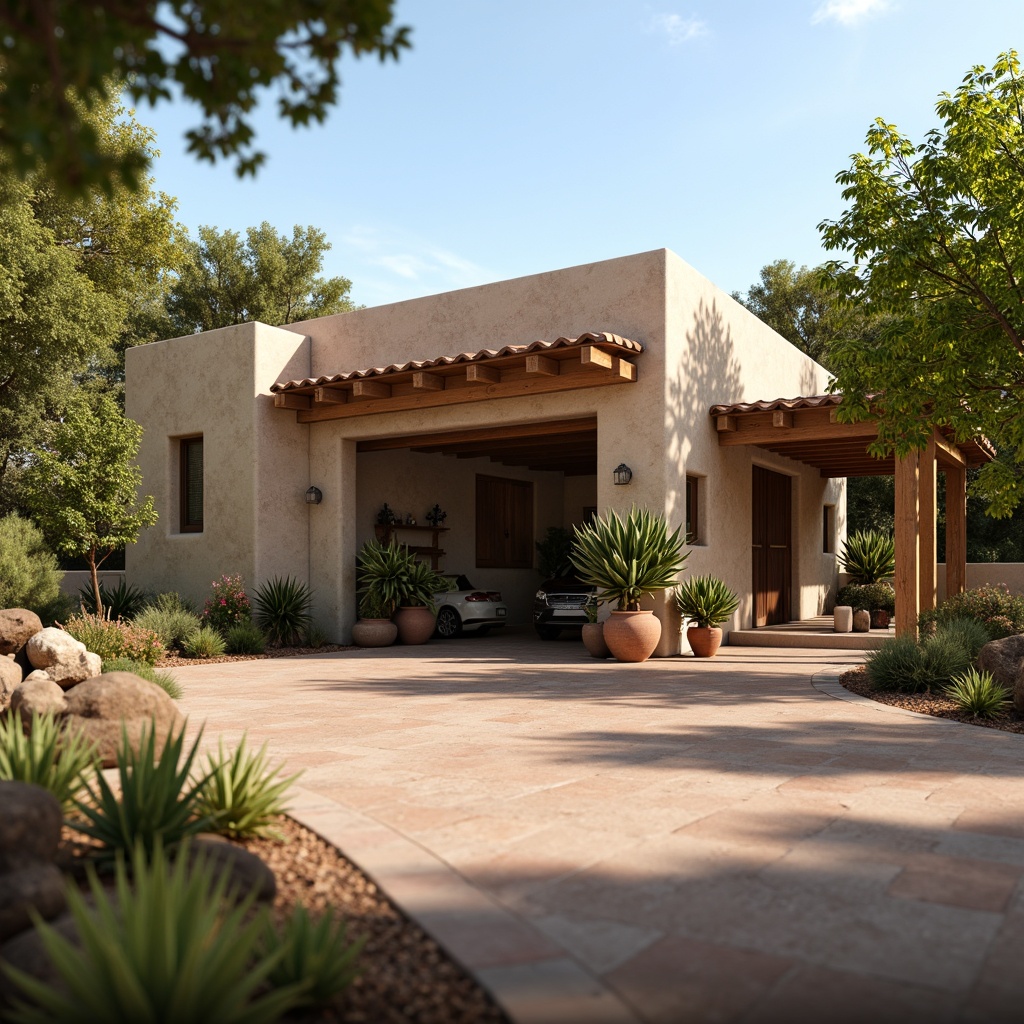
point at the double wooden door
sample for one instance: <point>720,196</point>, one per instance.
<point>772,556</point>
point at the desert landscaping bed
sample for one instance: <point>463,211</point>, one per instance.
<point>928,703</point>
<point>174,661</point>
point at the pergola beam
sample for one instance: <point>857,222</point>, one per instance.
<point>926,536</point>
<point>908,576</point>
<point>956,530</point>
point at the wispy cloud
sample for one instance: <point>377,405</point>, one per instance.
<point>849,12</point>
<point>677,29</point>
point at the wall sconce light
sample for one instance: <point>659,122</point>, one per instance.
<point>314,496</point>
<point>622,473</point>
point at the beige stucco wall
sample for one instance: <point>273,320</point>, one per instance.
<point>255,462</point>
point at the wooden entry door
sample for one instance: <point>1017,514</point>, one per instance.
<point>772,562</point>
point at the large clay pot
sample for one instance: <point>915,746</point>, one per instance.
<point>593,640</point>
<point>704,641</point>
<point>374,633</point>
<point>632,636</point>
<point>415,624</point>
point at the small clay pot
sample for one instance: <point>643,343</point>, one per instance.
<point>415,624</point>
<point>593,640</point>
<point>704,641</point>
<point>374,633</point>
<point>632,636</point>
<point>879,618</point>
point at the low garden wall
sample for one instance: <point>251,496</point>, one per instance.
<point>74,581</point>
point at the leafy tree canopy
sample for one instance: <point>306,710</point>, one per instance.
<point>935,238</point>
<point>216,54</point>
<point>226,280</point>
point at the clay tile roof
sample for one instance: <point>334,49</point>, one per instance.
<point>602,339</point>
<point>787,404</point>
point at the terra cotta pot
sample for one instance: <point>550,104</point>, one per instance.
<point>879,618</point>
<point>632,636</point>
<point>593,640</point>
<point>415,624</point>
<point>704,641</point>
<point>374,633</point>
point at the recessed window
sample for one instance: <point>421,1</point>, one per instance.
<point>828,529</point>
<point>191,487</point>
<point>504,523</point>
<point>692,527</point>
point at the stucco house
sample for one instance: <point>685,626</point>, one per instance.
<point>510,405</point>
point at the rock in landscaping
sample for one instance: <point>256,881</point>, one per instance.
<point>1003,658</point>
<point>247,872</point>
<point>97,707</point>
<point>39,694</point>
<point>64,659</point>
<point>17,625</point>
<point>27,953</point>
<point>38,887</point>
<point>30,824</point>
<point>10,679</point>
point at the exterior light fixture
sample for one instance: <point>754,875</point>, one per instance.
<point>622,473</point>
<point>314,496</point>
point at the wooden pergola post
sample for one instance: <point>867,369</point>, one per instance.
<point>926,532</point>
<point>908,577</point>
<point>956,530</point>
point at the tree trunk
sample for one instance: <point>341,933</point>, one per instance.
<point>95,582</point>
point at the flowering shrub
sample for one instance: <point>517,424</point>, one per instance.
<point>115,639</point>
<point>227,605</point>
<point>1001,612</point>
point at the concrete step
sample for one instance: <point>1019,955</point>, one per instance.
<point>781,636</point>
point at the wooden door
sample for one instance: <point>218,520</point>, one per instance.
<point>504,523</point>
<point>772,564</point>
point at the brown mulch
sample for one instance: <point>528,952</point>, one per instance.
<point>937,704</point>
<point>176,661</point>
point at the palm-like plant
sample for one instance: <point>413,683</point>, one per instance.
<point>627,558</point>
<point>705,601</point>
<point>868,556</point>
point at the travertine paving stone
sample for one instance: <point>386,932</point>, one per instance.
<point>676,841</point>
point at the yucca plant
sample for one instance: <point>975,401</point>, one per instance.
<point>60,764</point>
<point>979,694</point>
<point>627,558</point>
<point>158,802</point>
<point>121,602</point>
<point>164,680</point>
<point>705,601</point>
<point>204,642</point>
<point>167,946</point>
<point>869,556</point>
<point>316,954</point>
<point>240,793</point>
<point>281,609</point>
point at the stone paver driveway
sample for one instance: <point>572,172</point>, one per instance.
<point>678,841</point>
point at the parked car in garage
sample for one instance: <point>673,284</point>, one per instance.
<point>559,604</point>
<point>467,609</point>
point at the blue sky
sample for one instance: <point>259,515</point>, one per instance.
<point>521,137</point>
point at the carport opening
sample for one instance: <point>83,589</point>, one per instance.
<point>502,488</point>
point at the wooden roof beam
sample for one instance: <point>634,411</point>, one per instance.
<point>506,432</point>
<point>367,389</point>
<point>329,396</point>
<point>289,401</point>
<point>422,381</point>
<point>481,373</point>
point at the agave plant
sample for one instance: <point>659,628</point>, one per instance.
<point>627,558</point>
<point>382,575</point>
<point>868,556</point>
<point>979,694</point>
<point>705,601</point>
<point>422,583</point>
<point>282,609</point>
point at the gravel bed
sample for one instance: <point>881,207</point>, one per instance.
<point>176,661</point>
<point>937,704</point>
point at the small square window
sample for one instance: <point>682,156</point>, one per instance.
<point>191,486</point>
<point>828,529</point>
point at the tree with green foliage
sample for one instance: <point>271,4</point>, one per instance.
<point>269,277</point>
<point>81,488</point>
<point>935,242</point>
<point>29,576</point>
<point>219,56</point>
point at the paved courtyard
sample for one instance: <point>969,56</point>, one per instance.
<point>672,842</point>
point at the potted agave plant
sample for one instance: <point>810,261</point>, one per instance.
<point>626,558</point>
<point>374,628</point>
<point>417,614</point>
<point>869,557</point>
<point>706,602</point>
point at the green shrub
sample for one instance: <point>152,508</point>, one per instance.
<point>970,634</point>
<point>29,575</point>
<point>314,636</point>
<point>116,639</point>
<point>240,794</point>
<point>158,803</point>
<point>869,596</point>
<point>705,600</point>
<point>172,601</point>
<point>166,946</point>
<point>897,665</point>
<point>282,609</point>
<point>120,602</point>
<point>1001,612</point>
<point>172,625</point>
<point>868,556</point>
<point>316,956</point>
<point>979,694</point>
<point>227,605</point>
<point>164,680</point>
<point>204,642</point>
<point>245,638</point>
<point>60,764</point>
<point>944,657</point>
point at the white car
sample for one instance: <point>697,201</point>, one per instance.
<point>468,610</point>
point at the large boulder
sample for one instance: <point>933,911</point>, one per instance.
<point>27,953</point>
<point>38,694</point>
<point>17,625</point>
<point>63,658</point>
<point>10,679</point>
<point>30,825</point>
<point>38,887</point>
<point>1003,658</point>
<point>98,707</point>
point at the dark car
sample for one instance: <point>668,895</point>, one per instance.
<point>561,604</point>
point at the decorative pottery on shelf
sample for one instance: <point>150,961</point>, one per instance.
<point>632,636</point>
<point>374,633</point>
<point>704,641</point>
<point>415,624</point>
<point>593,640</point>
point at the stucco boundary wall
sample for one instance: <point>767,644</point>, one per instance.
<point>75,579</point>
